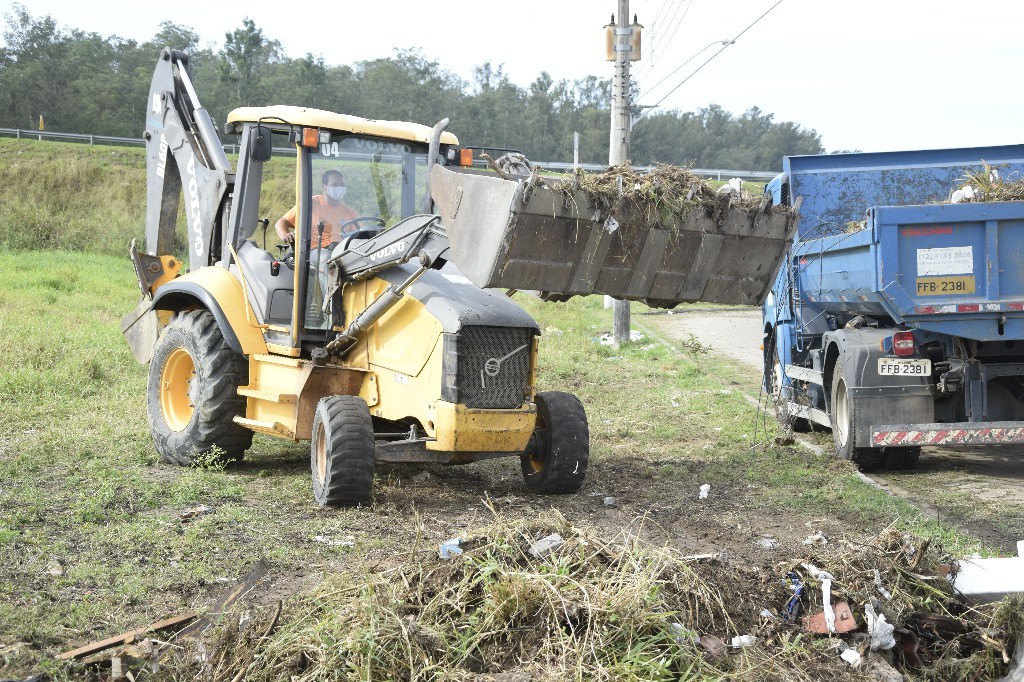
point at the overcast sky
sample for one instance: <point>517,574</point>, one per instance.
<point>867,75</point>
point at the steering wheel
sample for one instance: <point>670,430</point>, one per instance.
<point>360,233</point>
<point>361,219</point>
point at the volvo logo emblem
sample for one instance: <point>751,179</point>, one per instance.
<point>493,365</point>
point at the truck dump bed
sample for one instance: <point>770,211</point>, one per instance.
<point>954,269</point>
<point>522,234</point>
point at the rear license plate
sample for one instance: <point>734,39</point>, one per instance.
<point>904,367</point>
<point>945,286</point>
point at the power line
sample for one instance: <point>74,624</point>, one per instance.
<point>725,45</point>
<point>695,55</point>
<point>660,39</point>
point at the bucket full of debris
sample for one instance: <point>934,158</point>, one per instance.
<point>663,237</point>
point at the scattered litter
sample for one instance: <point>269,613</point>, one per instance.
<point>714,646</point>
<point>450,548</point>
<point>704,490</point>
<point>611,224</point>
<point>126,637</point>
<point>740,641</point>
<point>193,513</point>
<point>546,545</point>
<point>609,501</point>
<point>796,585</point>
<point>553,331</point>
<point>880,631</point>
<point>680,634</point>
<point>851,656</point>
<point>598,494</point>
<point>840,621</point>
<point>767,615</point>
<point>878,585</point>
<point>767,543</point>
<point>649,346</point>
<point>733,188</point>
<point>988,580</point>
<point>324,540</point>
<point>54,567</point>
<point>817,539</point>
<point>826,593</point>
<point>607,339</point>
<point>965,193</point>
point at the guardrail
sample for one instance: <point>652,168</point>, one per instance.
<point>559,166</point>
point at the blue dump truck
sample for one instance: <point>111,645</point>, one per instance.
<point>897,318</point>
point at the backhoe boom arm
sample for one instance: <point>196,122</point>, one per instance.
<point>183,152</point>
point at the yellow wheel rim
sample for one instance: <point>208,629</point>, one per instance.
<point>321,454</point>
<point>175,386</point>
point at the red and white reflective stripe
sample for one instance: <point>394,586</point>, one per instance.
<point>945,309</point>
<point>947,437</point>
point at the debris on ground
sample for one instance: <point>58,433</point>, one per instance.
<point>704,490</point>
<point>193,513</point>
<point>450,548</point>
<point>544,599</point>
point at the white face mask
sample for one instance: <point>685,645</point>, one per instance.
<point>336,193</point>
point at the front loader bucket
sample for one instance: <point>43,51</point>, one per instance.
<point>521,234</point>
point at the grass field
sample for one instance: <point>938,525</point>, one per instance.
<point>95,534</point>
<point>98,537</point>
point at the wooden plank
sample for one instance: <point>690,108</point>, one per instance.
<point>126,637</point>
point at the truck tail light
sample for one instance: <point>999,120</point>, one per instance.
<point>903,343</point>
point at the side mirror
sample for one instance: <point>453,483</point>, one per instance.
<point>260,145</point>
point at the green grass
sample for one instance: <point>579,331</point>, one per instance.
<point>92,540</point>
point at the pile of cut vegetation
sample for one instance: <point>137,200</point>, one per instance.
<point>666,197</point>
<point>543,599</point>
<point>988,184</point>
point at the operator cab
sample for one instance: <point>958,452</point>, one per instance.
<point>349,179</point>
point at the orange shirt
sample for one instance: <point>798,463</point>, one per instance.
<point>333,216</point>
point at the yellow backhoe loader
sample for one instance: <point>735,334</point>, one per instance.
<point>379,338</point>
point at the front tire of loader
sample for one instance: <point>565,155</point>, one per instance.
<point>559,463</point>
<point>192,395</point>
<point>341,454</point>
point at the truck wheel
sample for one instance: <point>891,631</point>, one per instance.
<point>559,463</point>
<point>844,425</point>
<point>193,392</point>
<point>341,454</point>
<point>773,382</point>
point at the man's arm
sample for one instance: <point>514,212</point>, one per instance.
<point>285,226</point>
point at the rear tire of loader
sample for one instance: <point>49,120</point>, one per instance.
<point>341,454</point>
<point>192,395</point>
<point>844,424</point>
<point>559,464</point>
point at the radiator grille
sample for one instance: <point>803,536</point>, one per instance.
<point>487,367</point>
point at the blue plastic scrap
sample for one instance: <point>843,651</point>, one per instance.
<point>793,605</point>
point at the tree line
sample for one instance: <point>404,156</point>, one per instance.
<point>81,82</point>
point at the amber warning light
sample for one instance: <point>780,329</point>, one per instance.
<point>460,157</point>
<point>310,137</point>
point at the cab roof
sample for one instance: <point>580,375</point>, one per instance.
<point>318,118</point>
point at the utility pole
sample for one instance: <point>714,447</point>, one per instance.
<point>618,150</point>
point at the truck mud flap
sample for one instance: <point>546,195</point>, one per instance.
<point>520,234</point>
<point>960,433</point>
